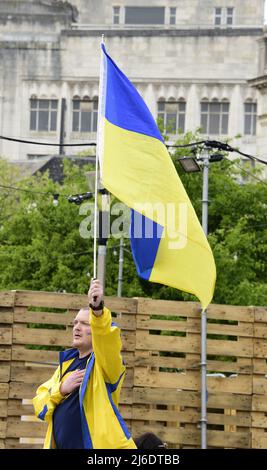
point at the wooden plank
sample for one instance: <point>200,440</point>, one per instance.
<point>22,390</point>
<point>7,298</point>
<point>189,364</point>
<point>122,304</point>
<point>70,301</point>
<point>259,403</point>
<point>5,353</point>
<point>145,323</point>
<point>126,411</point>
<point>126,322</point>
<point>4,372</point>
<point>17,408</point>
<point>191,381</point>
<point>259,440</point>
<point>152,414</point>
<point>166,362</point>
<point>230,348</point>
<point>260,314</point>
<point>231,367</point>
<point>194,326</point>
<point>129,378</point>
<point>241,329</point>
<point>22,315</point>
<point>189,416</point>
<point>239,440</point>
<point>260,348</point>
<point>222,400</point>
<point>142,377</point>
<point>170,396</point>
<point>16,444</point>
<point>166,343</point>
<point>18,428</point>
<point>168,307</point>
<point>259,366</point>
<point>259,385</point>
<point>40,336</point>
<point>3,426</point>
<point>20,353</point>
<point>5,335</point>
<point>259,420</point>
<point>126,396</point>
<point>260,330</point>
<point>43,317</point>
<point>3,408</point>
<point>230,312</point>
<point>6,315</point>
<point>31,374</point>
<point>242,419</point>
<point>50,299</point>
<point>238,384</point>
<point>177,343</point>
<point>128,340</point>
<point>193,309</point>
<point>4,389</point>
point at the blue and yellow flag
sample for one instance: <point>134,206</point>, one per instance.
<point>167,240</point>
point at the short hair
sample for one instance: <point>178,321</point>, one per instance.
<point>149,441</point>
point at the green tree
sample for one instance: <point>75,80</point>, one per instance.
<point>38,241</point>
<point>41,247</point>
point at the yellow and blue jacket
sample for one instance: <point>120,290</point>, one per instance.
<point>102,425</point>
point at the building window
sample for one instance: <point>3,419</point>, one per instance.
<point>218,16</point>
<point>116,15</point>
<point>214,117</point>
<point>223,16</point>
<point>250,118</point>
<point>144,15</point>
<point>43,115</point>
<point>172,115</point>
<point>84,116</point>
<point>172,15</point>
<point>229,16</point>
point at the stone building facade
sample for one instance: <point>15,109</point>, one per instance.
<point>194,62</point>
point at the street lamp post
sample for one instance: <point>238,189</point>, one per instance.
<point>203,363</point>
<point>190,165</point>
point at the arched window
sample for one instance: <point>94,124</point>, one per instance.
<point>214,116</point>
<point>43,114</point>
<point>172,115</point>
<point>84,114</point>
<point>250,117</point>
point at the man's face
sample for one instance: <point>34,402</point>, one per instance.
<point>81,332</point>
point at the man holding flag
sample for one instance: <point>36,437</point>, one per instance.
<point>168,245</point>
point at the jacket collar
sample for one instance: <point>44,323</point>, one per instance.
<point>67,355</point>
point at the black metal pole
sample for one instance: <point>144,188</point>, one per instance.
<point>62,126</point>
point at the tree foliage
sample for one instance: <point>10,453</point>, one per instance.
<point>41,247</point>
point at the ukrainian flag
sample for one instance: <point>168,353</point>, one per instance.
<point>168,243</point>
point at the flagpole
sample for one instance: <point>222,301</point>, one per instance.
<point>97,158</point>
<point>95,213</point>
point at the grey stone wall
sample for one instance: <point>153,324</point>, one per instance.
<point>43,54</point>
